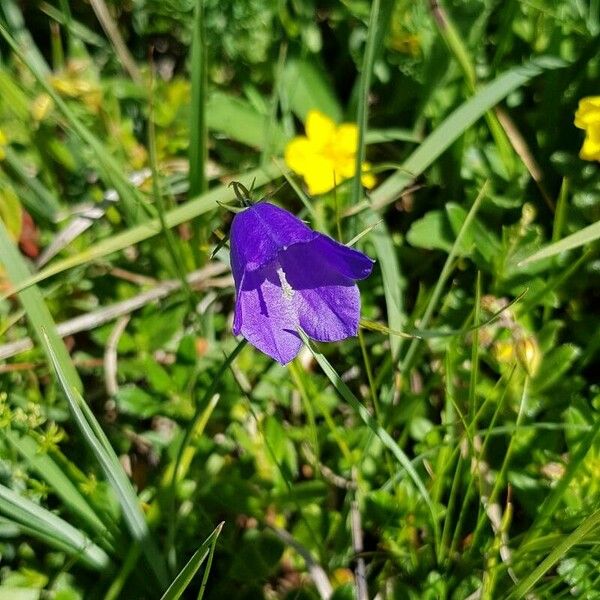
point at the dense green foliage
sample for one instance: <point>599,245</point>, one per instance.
<point>449,451</point>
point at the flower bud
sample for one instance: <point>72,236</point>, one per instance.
<point>528,354</point>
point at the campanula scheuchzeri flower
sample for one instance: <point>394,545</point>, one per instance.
<point>287,277</point>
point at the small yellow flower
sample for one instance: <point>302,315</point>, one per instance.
<point>326,155</point>
<point>3,143</point>
<point>587,117</point>
<point>41,106</point>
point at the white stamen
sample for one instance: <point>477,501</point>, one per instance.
<point>286,288</point>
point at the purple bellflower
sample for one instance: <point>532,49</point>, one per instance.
<point>287,277</point>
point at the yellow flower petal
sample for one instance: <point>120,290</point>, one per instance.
<point>320,178</point>
<point>368,179</point>
<point>591,145</point>
<point>346,139</point>
<point>588,112</point>
<point>345,166</point>
<point>320,129</point>
<point>299,154</point>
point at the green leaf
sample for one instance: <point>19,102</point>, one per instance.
<point>185,576</point>
<point>307,88</point>
<point>587,235</point>
<point>133,400</point>
<point>240,121</point>
<point>432,232</point>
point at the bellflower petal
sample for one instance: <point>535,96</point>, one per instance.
<point>327,302</point>
<point>267,320</point>
<point>288,276</point>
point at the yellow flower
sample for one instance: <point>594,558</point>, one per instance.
<point>326,155</point>
<point>3,143</point>
<point>587,117</point>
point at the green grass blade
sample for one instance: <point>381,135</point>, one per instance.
<point>588,525</point>
<point>45,525</point>
<point>385,438</point>
<point>33,302</point>
<point>54,476</point>
<point>393,283</point>
<point>587,235</point>
<point>407,361</point>
<point>150,228</point>
<point>454,126</point>
<point>113,471</point>
<point>198,147</point>
<point>14,19</point>
<point>185,576</point>
<point>108,165</point>
<point>363,97</point>
<point>43,202</point>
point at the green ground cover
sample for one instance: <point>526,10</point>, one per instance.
<point>449,450</point>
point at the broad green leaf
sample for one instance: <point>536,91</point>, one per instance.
<point>307,87</point>
<point>240,121</point>
<point>133,400</point>
<point>432,232</point>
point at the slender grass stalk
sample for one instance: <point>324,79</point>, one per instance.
<point>68,23</point>
<point>455,44</point>
<point>363,98</point>
<point>378,430</point>
<point>161,209</point>
<point>198,147</point>
<point>185,576</point>
<point>114,35</point>
<point>185,442</point>
<point>501,476</point>
<point>310,413</point>
<point>128,565</point>
<point>577,537</point>
<point>408,360</point>
<point>369,371</point>
<point>467,497</point>
<point>209,561</point>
